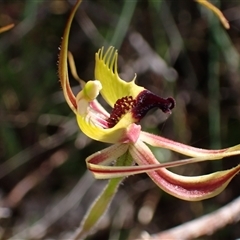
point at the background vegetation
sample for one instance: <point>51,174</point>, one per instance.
<point>176,47</point>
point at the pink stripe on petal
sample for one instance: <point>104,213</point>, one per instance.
<point>193,188</point>
<point>107,155</point>
<point>187,188</point>
<point>95,105</point>
<point>99,121</point>
<point>106,172</point>
<point>158,141</point>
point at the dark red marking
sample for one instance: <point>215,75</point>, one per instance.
<point>121,107</point>
<point>139,107</point>
<point>147,100</point>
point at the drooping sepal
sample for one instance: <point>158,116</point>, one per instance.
<point>158,141</point>
<point>183,187</point>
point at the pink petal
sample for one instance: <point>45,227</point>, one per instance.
<point>193,188</point>
<point>187,150</point>
<point>187,188</point>
<point>131,134</point>
<point>96,162</point>
<point>107,155</point>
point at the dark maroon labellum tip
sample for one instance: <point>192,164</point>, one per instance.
<point>139,107</point>
<point>147,100</point>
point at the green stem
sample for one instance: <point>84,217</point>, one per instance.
<point>101,204</point>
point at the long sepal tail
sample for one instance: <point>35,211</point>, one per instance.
<point>62,65</point>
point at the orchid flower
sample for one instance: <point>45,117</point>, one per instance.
<point>121,128</point>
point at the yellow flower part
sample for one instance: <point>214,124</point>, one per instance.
<point>114,87</point>
<point>124,131</point>
<point>89,93</point>
<point>94,122</point>
<point>129,101</point>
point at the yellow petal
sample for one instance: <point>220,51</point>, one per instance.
<point>106,72</point>
<point>121,132</point>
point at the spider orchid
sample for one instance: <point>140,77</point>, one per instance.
<point>122,130</point>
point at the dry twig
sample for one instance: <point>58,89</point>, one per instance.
<point>205,225</point>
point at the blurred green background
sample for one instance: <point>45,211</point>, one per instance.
<point>176,47</point>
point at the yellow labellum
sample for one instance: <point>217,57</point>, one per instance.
<point>113,87</point>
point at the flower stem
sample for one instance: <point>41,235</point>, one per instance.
<point>101,204</point>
